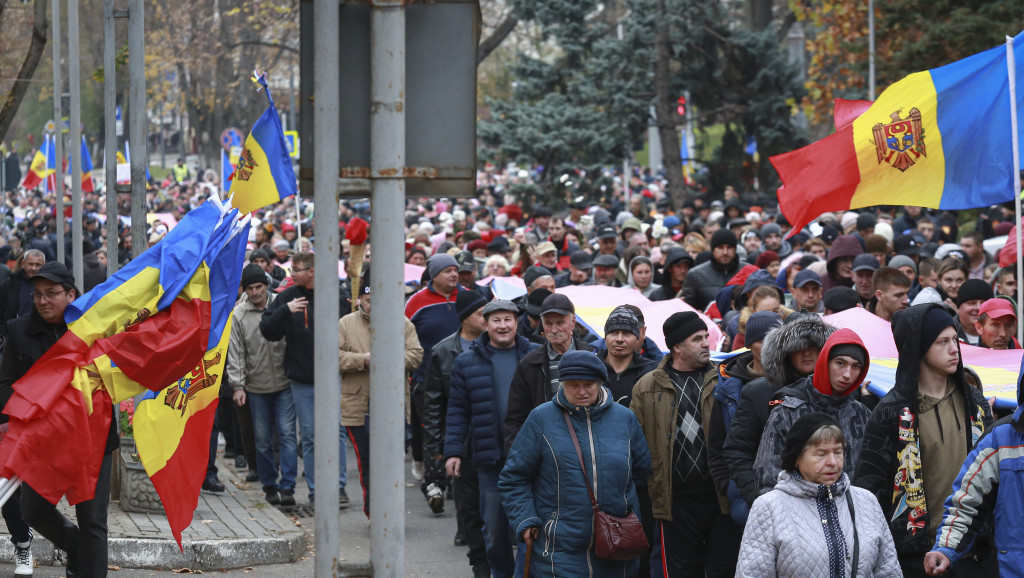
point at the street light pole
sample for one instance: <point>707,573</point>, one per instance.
<point>871,49</point>
<point>58,130</point>
<point>75,85</point>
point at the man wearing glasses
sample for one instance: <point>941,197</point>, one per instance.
<point>31,335</point>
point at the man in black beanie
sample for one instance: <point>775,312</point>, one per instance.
<point>704,281</point>
<point>968,301</point>
<point>919,435</point>
<point>673,405</point>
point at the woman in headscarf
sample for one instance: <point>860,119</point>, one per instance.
<point>641,275</point>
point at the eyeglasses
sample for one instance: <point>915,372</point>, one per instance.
<point>300,270</point>
<point>47,296</point>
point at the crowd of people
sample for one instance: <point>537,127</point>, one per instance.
<point>776,461</point>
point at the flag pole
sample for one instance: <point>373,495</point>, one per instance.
<point>298,222</point>
<point>1011,68</point>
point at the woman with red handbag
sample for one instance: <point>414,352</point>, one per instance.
<point>568,482</point>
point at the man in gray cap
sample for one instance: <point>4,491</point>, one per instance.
<point>607,241</point>
<point>807,292</point>
<point>580,267</point>
<point>604,271</point>
<point>771,235</point>
<point>477,407</point>
<point>864,267</point>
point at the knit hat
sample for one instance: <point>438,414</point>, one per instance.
<point>583,365</point>
<point>766,258</point>
<point>866,221</point>
<point>935,321</point>
<point>973,289</point>
<point>681,325</point>
<point>259,254</point>
<point>723,237</point>
<point>840,299</point>
<point>467,302</point>
<point>440,262</point>
<point>850,350</point>
<point>799,433</point>
<point>622,319</point>
<point>902,261</point>
<point>759,324</point>
<point>533,273</point>
<point>253,274</point>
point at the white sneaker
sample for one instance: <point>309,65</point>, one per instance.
<point>417,470</point>
<point>23,560</point>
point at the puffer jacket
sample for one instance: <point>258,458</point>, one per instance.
<point>843,246</point>
<point>814,394</point>
<point>655,403</point>
<point>542,484</point>
<point>705,280</point>
<point>785,536</point>
<point>436,390</point>
<point>353,345</point>
<point>733,375</point>
<point>744,437</point>
<point>254,364</point>
<point>890,467</point>
<point>473,412</point>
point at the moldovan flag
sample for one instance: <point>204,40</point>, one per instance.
<point>264,174</point>
<point>939,138</point>
<point>37,171</point>
<point>143,328</point>
<point>87,185</point>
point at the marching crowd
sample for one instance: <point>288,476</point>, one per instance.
<point>573,454</point>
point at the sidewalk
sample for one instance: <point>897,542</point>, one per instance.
<point>232,529</point>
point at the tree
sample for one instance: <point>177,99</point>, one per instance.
<point>12,98</point>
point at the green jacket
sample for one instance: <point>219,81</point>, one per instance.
<point>655,403</point>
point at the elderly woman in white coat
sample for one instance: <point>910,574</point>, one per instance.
<point>815,524</point>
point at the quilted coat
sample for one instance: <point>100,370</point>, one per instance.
<point>542,485</point>
<point>784,534</point>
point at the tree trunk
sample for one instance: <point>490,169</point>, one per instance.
<point>28,69</point>
<point>489,44</point>
<point>760,14</point>
<point>663,109</point>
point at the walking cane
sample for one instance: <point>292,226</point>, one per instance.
<point>529,555</point>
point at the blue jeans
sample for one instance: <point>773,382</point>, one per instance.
<point>497,532</point>
<point>302,395</point>
<point>270,411</point>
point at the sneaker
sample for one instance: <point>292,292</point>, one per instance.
<point>435,498</point>
<point>252,476</point>
<point>23,561</point>
<point>312,500</point>
<point>342,497</point>
<point>212,484</point>
<point>287,497</point>
<point>240,461</point>
<point>273,498</point>
<point>417,470</point>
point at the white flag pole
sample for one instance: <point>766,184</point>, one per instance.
<point>1011,68</point>
<point>298,223</point>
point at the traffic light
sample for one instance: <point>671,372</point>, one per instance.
<point>681,109</point>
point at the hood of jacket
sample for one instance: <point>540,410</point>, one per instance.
<point>739,367</point>
<point>844,246</point>
<point>809,331</point>
<point>794,485</point>
<point>759,278</point>
<point>246,304</point>
<point>604,401</point>
<point>821,379</point>
<point>906,331</point>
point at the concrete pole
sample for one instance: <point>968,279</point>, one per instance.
<point>137,107</point>
<point>58,127</point>
<point>325,355</point>
<point>387,159</point>
<point>110,132</point>
<point>75,84</point>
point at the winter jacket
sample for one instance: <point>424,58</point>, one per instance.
<point>705,280</point>
<point>785,533</point>
<point>649,350</point>
<point>353,345</point>
<point>15,299</point>
<point>279,322</point>
<point>473,412</point>
<point>655,403</point>
<point>744,437</point>
<point>531,386</point>
<point>436,390</point>
<point>93,272</point>
<point>843,246</point>
<point>733,375</point>
<point>989,488</point>
<point>542,485</point>
<point>621,384</point>
<point>434,317</point>
<point>663,292</point>
<point>891,466</point>
<point>254,364</point>
<point>563,280</point>
<point>809,395</point>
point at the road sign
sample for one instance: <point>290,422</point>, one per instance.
<point>231,137</point>
<point>291,141</point>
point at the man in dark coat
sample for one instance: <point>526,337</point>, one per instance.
<point>705,280</point>
<point>16,294</point>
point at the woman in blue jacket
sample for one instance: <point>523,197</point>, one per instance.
<point>542,487</point>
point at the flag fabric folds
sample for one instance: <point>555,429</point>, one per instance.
<point>264,174</point>
<point>38,170</point>
<point>87,185</point>
<point>226,171</point>
<point>148,327</point>
<point>939,138</point>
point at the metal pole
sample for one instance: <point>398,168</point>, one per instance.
<point>871,49</point>
<point>74,82</point>
<point>58,127</point>
<point>1011,68</point>
<point>137,104</point>
<point>110,132</point>
<point>387,204</point>
<point>325,362</point>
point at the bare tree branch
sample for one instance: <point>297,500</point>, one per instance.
<point>28,69</point>
<point>489,44</point>
<point>262,43</point>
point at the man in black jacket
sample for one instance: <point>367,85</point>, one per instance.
<point>30,336</point>
<point>436,388</point>
<point>536,377</point>
<point>705,280</point>
<point>16,293</point>
<point>291,315</point>
<point>621,355</point>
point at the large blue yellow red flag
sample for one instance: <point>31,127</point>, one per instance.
<point>51,164</point>
<point>87,186</point>
<point>264,174</point>
<point>37,171</point>
<point>226,171</point>
<point>939,138</point>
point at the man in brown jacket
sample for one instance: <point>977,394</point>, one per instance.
<point>354,363</point>
<point>673,404</point>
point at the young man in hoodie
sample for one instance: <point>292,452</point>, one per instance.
<point>919,435</point>
<point>840,262</point>
<point>838,373</point>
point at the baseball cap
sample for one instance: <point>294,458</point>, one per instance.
<point>55,271</point>
<point>906,245</point>
<point>465,261</point>
<point>557,303</point>
<point>545,247</point>
<point>806,276</point>
<point>581,260</point>
<point>865,261</point>
<point>606,232</point>
<point>996,308</point>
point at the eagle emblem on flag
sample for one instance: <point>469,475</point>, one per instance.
<point>901,142</point>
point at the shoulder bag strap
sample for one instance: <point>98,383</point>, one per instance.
<point>856,540</point>
<point>579,454</point>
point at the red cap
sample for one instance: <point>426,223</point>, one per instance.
<point>996,308</point>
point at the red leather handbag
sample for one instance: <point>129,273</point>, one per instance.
<point>614,538</point>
